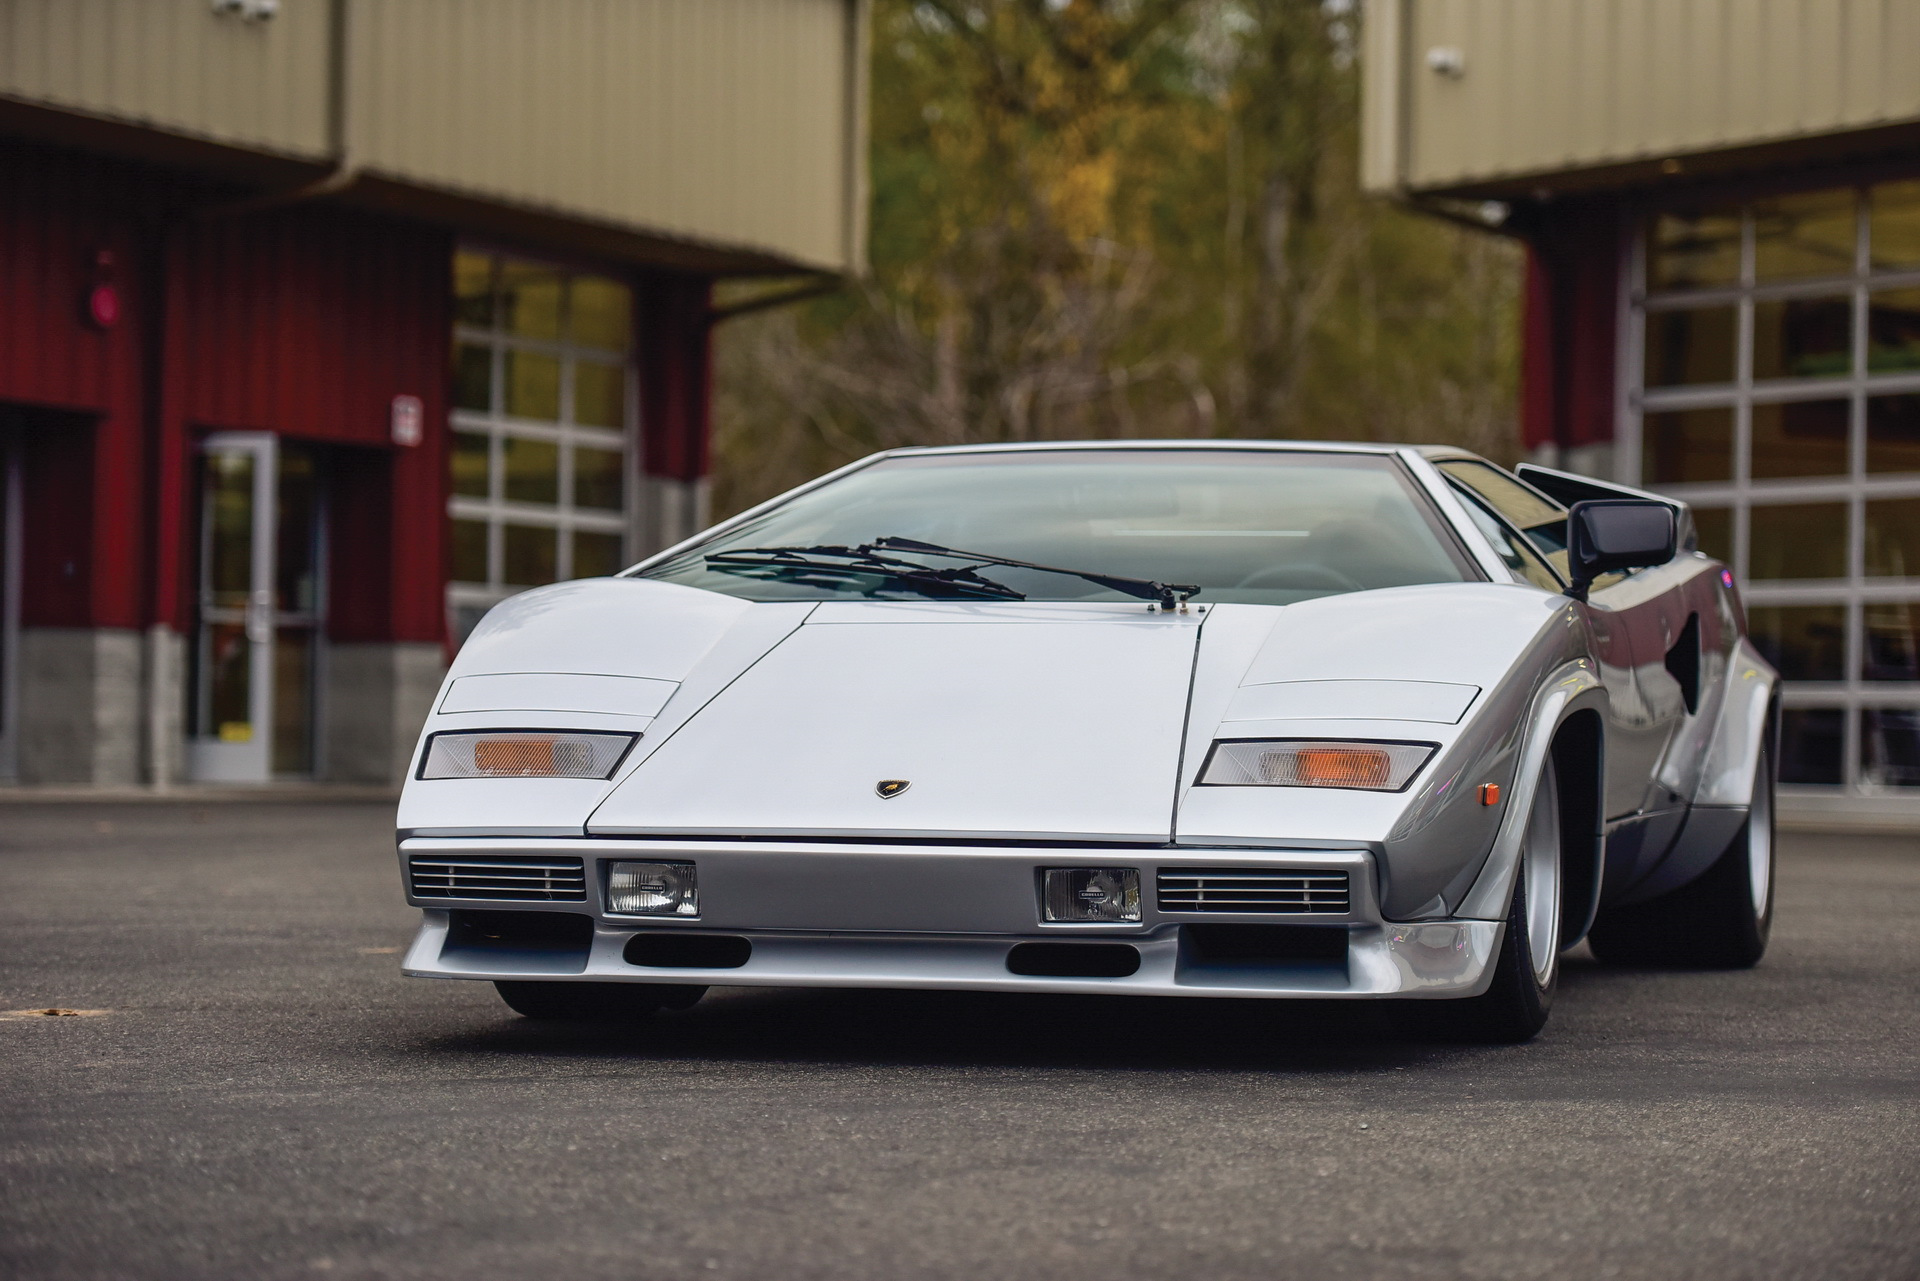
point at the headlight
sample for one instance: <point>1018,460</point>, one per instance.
<point>1374,767</point>
<point>525,754</point>
<point>652,889</point>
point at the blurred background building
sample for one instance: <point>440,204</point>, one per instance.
<point>1721,206</point>
<point>326,323</point>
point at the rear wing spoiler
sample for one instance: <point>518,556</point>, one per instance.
<point>1569,488</point>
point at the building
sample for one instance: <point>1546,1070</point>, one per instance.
<point>326,323</point>
<point>1721,205</point>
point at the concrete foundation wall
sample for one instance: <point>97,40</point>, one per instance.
<point>80,705</point>
<point>377,697</point>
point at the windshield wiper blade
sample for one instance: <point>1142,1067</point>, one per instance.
<point>863,560</point>
<point>1169,595</point>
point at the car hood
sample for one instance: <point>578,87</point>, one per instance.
<point>1006,721</point>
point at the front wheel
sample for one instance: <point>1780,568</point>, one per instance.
<point>595,1002</point>
<point>1720,921</point>
<point>1527,973</point>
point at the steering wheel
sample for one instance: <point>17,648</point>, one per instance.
<point>1300,578</point>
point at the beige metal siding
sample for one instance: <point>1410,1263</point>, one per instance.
<point>1558,85</point>
<point>725,121</point>
<point>175,65</point>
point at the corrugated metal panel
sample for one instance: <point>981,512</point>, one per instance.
<point>1556,85</point>
<point>725,121</point>
<point>175,65</point>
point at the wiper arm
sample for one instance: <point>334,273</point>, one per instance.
<point>852,562</point>
<point>1169,595</point>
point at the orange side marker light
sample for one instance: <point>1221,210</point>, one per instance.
<point>1489,793</point>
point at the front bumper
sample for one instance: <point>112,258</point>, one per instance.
<point>819,914</point>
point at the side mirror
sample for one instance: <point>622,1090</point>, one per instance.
<point>1613,534</point>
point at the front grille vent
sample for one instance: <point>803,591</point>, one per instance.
<point>1251,889</point>
<point>535,877</point>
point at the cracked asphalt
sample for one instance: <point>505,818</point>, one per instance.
<point>262,1095</point>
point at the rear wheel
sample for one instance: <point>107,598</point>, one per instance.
<point>595,1002</point>
<point>1515,1006</point>
<point>1720,921</point>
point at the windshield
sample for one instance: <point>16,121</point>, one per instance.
<point>1258,526</point>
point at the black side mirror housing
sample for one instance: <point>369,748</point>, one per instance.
<point>1612,534</point>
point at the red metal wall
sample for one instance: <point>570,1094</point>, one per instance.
<point>675,374</point>
<point>1571,312</point>
<point>305,321</point>
<point>68,222</point>
<point>308,322</point>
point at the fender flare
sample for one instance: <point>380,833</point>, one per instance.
<point>1572,688</point>
<point>1726,776</point>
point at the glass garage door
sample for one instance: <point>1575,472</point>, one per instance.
<point>1774,359</point>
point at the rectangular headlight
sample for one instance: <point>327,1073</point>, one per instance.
<point>525,754</point>
<point>1373,767</point>
<point>652,889</point>
<point>1092,894</point>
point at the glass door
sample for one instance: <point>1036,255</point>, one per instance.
<point>261,577</point>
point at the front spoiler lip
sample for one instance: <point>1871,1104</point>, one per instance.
<point>1429,959</point>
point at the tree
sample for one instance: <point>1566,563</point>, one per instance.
<point>1123,218</point>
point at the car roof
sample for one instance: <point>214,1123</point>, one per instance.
<point>1289,446</point>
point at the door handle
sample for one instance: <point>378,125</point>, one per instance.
<point>260,618</point>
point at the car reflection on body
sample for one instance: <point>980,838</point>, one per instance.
<point>1165,718</point>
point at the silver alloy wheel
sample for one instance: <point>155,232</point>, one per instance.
<point>1760,838</point>
<point>1541,860</point>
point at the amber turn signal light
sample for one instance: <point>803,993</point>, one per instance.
<point>1489,793</point>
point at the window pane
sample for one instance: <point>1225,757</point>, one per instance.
<point>1894,236</point>
<point>473,289</point>
<point>1807,438</point>
<point>1690,347</point>
<point>1519,556</point>
<point>1811,744</point>
<point>1803,338</point>
<point>602,313</point>
<point>1686,446</point>
<point>1892,643</point>
<point>530,299</point>
<point>596,555</point>
<point>532,470</point>
<point>470,464</point>
<point>1714,528</point>
<point>1806,642</point>
<point>529,555</point>
<point>1689,250</point>
<point>533,386</point>
<point>596,478</point>
<point>1893,433</point>
<point>229,659</point>
<point>1890,746</point>
<point>1893,538</point>
<point>1799,540</point>
<point>1809,234</point>
<point>1893,331</point>
<point>599,394</point>
<point>469,551</point>
<point>472,378</point>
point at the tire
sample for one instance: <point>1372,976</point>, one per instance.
<point>595,1002</point>
<point>1527,972</point>
<point>1722,920</point>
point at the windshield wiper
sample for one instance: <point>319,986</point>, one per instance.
<point>1169,595</point>
<point>860,562</point>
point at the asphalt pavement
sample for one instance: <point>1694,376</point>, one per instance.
<point>255,1092</point>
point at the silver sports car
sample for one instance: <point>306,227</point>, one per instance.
<point>1242,719</point>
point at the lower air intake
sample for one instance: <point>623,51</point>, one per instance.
<point>526,878</point>
<point>1252,890</point>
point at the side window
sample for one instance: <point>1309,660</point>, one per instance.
<point>1542,520</point>
<point>1520,557</point>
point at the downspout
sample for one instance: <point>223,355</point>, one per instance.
<point>345,169</point>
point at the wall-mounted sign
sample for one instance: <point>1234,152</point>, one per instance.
<point>407,421</point>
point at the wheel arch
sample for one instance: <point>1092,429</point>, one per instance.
<point>1579,765</point>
